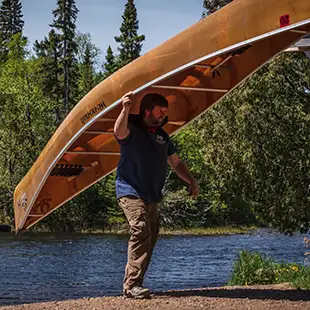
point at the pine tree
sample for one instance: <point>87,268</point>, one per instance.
<point>49,53</point>
<point>213,5</point>
<point>110,66</point>
<point>11,23</point>
<point>87,71</point>
<point>83,41</point>
<point>65,16</point>
<point>130,41</point>
<point>87,57</point>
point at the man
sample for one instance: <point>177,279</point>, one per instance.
<point>145,151</point>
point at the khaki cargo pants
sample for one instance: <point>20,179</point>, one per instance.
<point>143,220</point>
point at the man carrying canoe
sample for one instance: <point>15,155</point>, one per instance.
<point>146,151</point>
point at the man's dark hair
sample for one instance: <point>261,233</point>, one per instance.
<point>150,101</point>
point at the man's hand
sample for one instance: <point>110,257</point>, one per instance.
<point>193,189</point>
<point>121,129</point>
<point>126,101</point>
<point>182,171</point>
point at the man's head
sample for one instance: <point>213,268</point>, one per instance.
<point>153,109</point>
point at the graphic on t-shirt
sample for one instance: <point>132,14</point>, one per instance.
<point>160,139</point>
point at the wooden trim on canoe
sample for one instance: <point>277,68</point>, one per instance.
<point>98,132</point>
<point>186,88</point>
<point>92,153</point>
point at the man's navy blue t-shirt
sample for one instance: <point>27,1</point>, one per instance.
<point>142,169</point>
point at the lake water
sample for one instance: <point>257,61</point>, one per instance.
<point>42,267</point>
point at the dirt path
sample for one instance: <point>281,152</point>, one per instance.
<point>276,297</point>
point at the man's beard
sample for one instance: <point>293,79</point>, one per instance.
<point>151,121</point>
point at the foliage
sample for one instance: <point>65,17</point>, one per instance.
<point>88,60</point>
<point>49,53</point>
<point>24,119</point>
<point>253,268</point>
<point>84,42</point>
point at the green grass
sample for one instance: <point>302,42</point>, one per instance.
<point>253,268</point>
<point>216,231</point>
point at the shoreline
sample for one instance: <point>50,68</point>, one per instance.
<point>276,297</point>
<point>214,231</point>
<point>123,231</point>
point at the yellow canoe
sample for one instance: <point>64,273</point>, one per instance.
<point>193,70</point>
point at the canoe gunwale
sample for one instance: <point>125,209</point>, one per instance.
<point>169,74</point>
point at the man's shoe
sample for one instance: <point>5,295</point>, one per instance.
<point>138,292</point>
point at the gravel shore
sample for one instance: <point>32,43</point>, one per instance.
<point>276,297</point>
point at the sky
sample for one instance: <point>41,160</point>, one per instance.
<point>159,20</point>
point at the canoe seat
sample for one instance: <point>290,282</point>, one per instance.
<point>63,170</point>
